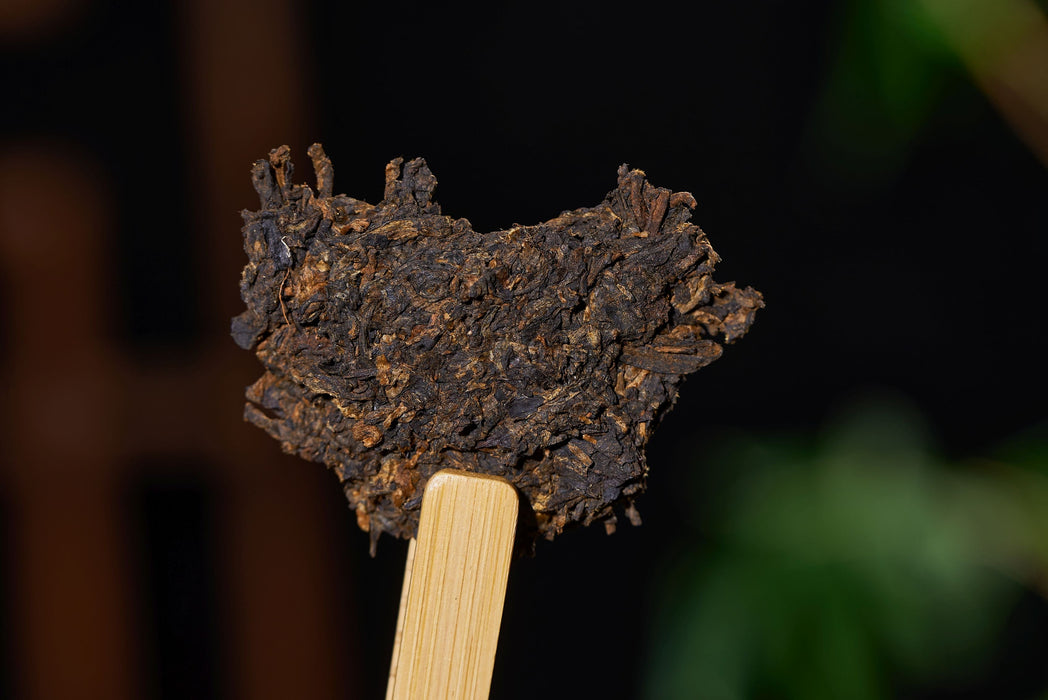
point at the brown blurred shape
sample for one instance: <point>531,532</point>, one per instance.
<point>24,22</point>
<point>75,403</point>
<point>72,594</point>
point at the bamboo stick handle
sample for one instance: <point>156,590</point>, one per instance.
<point>454,589</point>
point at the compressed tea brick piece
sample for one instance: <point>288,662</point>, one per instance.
<point>398,341</point>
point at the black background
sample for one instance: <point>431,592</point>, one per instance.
<point>926,281</point>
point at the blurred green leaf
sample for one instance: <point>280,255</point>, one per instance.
<point>891,66</point>
<point>838,570</point>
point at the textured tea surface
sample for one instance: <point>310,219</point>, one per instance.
<point>398,341</point>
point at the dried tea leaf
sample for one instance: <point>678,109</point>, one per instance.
<point>398,341</point>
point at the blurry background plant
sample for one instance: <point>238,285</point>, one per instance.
<point>860,564</point>
<point>896,63</point>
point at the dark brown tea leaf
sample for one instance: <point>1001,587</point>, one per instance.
<point>398,341</point>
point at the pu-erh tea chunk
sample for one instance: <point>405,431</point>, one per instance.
<point>397,341</point>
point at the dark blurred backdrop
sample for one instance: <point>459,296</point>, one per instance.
<point>876,169</point>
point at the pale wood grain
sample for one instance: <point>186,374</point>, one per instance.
<point>454,589</point>
<point>399,635</point>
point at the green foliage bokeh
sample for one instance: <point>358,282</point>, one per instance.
<point>847,566</point>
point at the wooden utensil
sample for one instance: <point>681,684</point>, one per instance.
<point>454,589</point>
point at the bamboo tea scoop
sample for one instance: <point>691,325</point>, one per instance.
<point>454,589</point>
